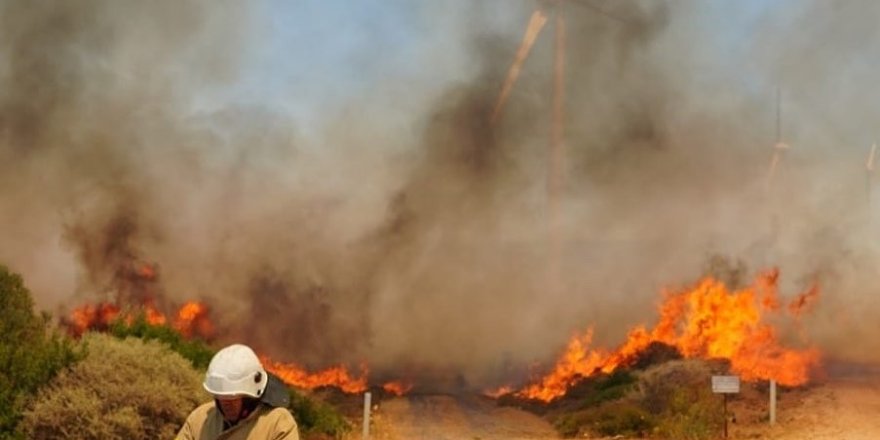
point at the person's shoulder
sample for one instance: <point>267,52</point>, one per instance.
<point>202,411</point>
<point>280,415</point>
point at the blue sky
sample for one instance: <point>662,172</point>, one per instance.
<point>315,53</point>
<point>310,58</point>
<point>323,50</point>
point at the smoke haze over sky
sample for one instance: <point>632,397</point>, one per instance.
<point>324,175</point>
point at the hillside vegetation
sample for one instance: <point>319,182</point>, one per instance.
<point>138,381</point>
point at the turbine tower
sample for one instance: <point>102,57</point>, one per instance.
<point>780,147</point>
<point>869,171</point>
<point>545,10</point>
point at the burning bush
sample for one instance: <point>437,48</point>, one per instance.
<point>669,400</point>
<point>30,352</point>
<point>123,389</point>
<point>705,321</point>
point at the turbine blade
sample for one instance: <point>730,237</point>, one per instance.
<point>536,23</point>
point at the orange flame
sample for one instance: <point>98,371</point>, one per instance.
<point>496,393</point>
<point>707,321</point>
<point>397,387</point>
<point>193,320</point>
<point>338,377</point>
<point>92,317</point>
<point>151,315</point>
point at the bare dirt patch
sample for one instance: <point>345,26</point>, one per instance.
<point>446,417</point>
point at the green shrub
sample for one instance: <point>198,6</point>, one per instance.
<point>316,417</point>
<point>569,425</point>
<point>672,400</point>
<point>679,392</point>
<point>194,350</point>
<point>312,416</point>
<point>613,387</point>
<point>123,389</point>
<point>622,417</point>
<point>31,353</point>
<point>693,415</point>
<point>603,408</point>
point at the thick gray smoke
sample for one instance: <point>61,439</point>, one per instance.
<point>396,225</point>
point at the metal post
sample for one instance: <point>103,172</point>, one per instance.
<point>772,402</point>
<point>366,416</point>
<point>725,415</point>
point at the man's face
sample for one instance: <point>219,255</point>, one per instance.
<point>230,406</point>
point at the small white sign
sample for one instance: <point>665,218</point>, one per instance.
<point>725,384</point>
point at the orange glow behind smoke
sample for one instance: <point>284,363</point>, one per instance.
<point>147,272</point>
<point>708,321</point>
<point>398,388</point>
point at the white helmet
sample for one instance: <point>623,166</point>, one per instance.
<point>236,370</point>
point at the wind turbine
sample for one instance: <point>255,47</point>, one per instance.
<point>538,20</point>
<point>780,147</point>
<point>556,151</point>
<point>869,170</point>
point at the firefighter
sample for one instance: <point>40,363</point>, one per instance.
<point>249,404</point>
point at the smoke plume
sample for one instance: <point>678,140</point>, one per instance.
<point>387,220</point>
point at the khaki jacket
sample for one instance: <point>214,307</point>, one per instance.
<point>265,423</point>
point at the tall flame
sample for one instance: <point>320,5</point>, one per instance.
<point>706,321</point>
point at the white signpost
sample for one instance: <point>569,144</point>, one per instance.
<point>772,402</point>
<point>366,434</point>
<point>725,385</point>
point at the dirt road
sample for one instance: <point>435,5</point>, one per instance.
<point>843,408</point>
<point>839,410</point>
<point>846,407</point>
<point>445,417</point>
